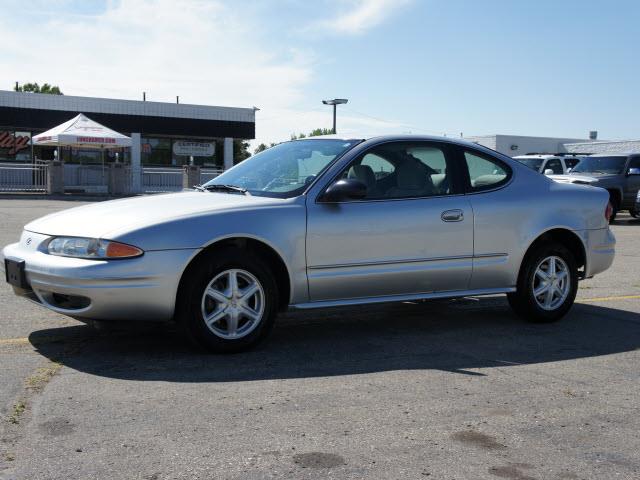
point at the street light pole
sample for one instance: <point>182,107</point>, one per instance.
<point>335,102</point>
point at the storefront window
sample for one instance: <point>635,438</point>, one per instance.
<point>156,151</point>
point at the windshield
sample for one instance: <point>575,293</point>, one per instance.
<point>285,170</point>
<point>533,163</point>
<point>613,165</point>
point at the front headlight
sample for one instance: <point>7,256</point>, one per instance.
<point>91,248</point>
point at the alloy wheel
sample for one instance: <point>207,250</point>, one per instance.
<point>551,283</point>
<point>233,304</point>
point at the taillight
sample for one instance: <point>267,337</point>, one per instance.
<point>608,211</point>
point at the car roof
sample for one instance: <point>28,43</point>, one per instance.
<point>629,154</point>
<point>387,137</point>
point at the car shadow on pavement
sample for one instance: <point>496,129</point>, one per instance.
<point>456,336</point>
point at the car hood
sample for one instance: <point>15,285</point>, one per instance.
<point>584,179</point>
<point>111,218</point>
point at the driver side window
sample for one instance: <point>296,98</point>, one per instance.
<point>403,170</point>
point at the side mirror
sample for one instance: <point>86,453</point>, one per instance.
<point>548,171</point>
<point>634,171</point>
<point>345,189</point>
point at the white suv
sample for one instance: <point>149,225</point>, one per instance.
<point>549,164</point>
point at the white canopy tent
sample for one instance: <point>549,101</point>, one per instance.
<point>83,133</point>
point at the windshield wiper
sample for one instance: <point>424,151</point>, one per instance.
<point>223,188</point>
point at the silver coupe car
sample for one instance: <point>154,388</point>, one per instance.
<point>315,223</point>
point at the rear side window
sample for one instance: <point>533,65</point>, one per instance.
<point>485,173</point>
<point>554,165</point>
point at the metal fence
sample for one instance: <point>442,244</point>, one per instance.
<point>90,178</point>
<point>95,178</point>
<point>209,174</point>
<point>165,179</point>
<point>20,177</point>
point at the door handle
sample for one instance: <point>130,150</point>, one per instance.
<point>456,215</point>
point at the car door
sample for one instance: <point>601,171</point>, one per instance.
<point>632,184</point>
<point>495,212</point>
<point>411,234</point>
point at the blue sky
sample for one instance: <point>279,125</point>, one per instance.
<point>553,68</point>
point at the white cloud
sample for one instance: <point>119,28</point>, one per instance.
<point>206,51</point>
<point>357,16</point>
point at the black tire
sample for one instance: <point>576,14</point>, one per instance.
<point>523,301</point>
<point>634,213</point>
<point>189,311</point>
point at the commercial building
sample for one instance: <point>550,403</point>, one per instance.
<point>513,145</point>
<point>163,134</point>
<point>611,147</point>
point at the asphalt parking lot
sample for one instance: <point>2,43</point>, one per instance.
<point>441,390</point>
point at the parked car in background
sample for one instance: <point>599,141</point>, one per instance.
<point>619,174</point>
<point>316,223</point>
<point>549,164</point>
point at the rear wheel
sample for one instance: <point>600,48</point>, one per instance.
<point>547,284</point>
<point>229,301</point>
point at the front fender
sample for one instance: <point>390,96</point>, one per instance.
<point>280,227</point>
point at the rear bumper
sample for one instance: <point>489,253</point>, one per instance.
<point>600,249</point>
<point>142,288</point>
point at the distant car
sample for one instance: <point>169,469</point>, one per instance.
<point>549,164</point>
<point>619,174</point>
<point>315,223</point>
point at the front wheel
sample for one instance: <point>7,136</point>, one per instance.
<point>547,284</point>
<point>229,301</point>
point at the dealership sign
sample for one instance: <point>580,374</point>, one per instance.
<point>14,143</point>
<point>194,149</point>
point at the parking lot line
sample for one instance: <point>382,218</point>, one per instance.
<point>609,299</point>
<point>14,341</point>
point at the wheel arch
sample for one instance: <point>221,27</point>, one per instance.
<point>566,237</point>
<point>259,247</point>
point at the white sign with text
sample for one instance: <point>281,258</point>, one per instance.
<point>194,149</point>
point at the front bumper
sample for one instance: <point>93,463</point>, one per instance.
<point>141,288</point>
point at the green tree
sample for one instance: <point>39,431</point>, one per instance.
<point>35,88</point>
<point>260,148</point>
<point>263,146</point>
<point>320,131</point>
<point>313,133</point>
<point>240,150</point>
